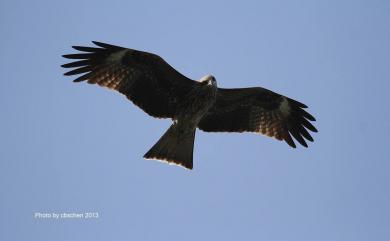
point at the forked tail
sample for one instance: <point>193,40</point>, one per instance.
<point>174,147</point>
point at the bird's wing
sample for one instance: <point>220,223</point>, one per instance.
<point>144,78</point>
<point>261,111</point>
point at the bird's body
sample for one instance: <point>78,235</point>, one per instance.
<point>162,92</point>
<point>197,102</point>
<point>176,145</point>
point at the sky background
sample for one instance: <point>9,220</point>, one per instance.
<point>67,147</point>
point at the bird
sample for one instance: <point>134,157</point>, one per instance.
<point>153,85</point>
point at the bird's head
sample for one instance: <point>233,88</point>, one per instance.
<point>208,80</point>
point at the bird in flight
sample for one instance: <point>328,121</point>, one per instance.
<point>162,92</point>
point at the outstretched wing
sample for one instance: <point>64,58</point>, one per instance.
<point>259,110</point>
<point>144,78</point>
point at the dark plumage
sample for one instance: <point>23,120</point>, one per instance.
<point>162,92</point>
<point>259,110</point>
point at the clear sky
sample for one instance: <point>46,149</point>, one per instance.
<point>76,148</point>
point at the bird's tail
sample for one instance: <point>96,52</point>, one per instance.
<point>174,147</point>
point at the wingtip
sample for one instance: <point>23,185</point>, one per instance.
<point>297,103</point>
<point>100,44</point>
<point>310,117</point>
<point>288,139</point>
<point>107,46</point>
<point>313,129</point>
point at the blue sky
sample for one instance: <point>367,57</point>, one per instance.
<point>68,147</point>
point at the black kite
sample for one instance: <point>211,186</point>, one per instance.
<point>162,92</point>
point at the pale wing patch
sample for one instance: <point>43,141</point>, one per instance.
<point>117,56</point>
<point>284,107</point>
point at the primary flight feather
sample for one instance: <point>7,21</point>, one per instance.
<point>162,92</point>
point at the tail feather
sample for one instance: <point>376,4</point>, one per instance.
<point>174,147</point>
